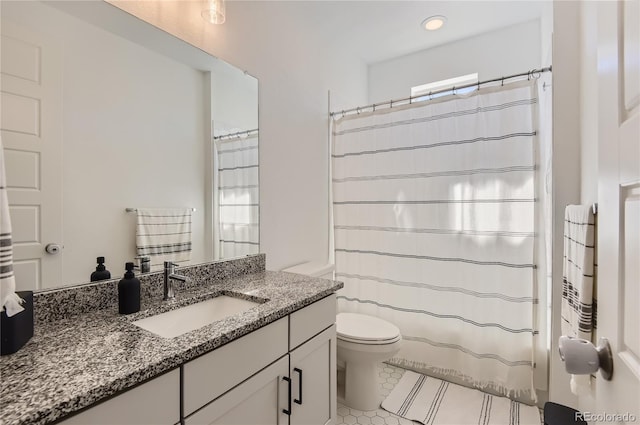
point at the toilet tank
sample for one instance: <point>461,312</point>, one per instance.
<point>321,269</point>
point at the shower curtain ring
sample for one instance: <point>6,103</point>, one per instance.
<point>343,113</point>
<point>454,90</point>
<point>358,110</point>
<point>502,81</point>
<point>430,97</point>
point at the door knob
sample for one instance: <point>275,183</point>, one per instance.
<point>53,248</point>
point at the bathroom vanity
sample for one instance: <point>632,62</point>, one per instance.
<point>274,363</point>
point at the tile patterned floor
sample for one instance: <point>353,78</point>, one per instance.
<point>388,377</point>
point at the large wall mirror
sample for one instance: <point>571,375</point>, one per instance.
<point>102,112</point>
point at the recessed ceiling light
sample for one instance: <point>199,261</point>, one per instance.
<point>433,23</point>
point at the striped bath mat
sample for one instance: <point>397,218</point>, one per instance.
<point>432,401</point>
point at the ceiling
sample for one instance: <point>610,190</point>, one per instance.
<point>380,30</point>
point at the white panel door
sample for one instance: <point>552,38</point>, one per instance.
<point>619,207</point>
<point>31,128</point>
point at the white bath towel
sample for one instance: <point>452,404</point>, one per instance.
<point>9,301</point>
<point>578,281</point>
<point>164,234</point>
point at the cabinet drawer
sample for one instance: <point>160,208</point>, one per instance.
<point>154,402</point>
<point>311,320</point>
<point>211,375</point>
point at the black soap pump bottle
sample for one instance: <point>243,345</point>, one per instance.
<point>129,292</point>
<point>101,272</point>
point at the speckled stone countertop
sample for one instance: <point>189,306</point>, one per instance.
<point>71,363</point>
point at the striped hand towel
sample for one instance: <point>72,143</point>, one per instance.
<point>164,234</point>
<point>9,300</point>
<point>578,281</point>
<point>577,275</point>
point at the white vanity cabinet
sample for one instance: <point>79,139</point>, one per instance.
<point>281,374</point>
<point>297,388</point>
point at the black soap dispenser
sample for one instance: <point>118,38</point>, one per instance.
<point>129,292</point>
<point>101,272</point>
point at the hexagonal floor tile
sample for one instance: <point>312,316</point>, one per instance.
<point>364,420</point>
<point>391,421</point>
<point>377,420</point>
<point>350,419</point>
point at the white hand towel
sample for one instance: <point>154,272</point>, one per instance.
<point>9,300</point>
<point>580,384</point>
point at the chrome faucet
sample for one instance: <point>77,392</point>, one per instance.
<point>169,277</point>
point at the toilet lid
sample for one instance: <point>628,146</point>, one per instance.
<point>366,329</point>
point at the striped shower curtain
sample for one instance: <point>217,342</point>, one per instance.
<point>434,218</point>
<point>238,196</point>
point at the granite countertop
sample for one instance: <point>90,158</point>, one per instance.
<point>74,362</point>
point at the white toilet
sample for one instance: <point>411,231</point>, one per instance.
<point>363,342</point>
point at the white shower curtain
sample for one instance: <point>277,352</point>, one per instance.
<point>434,219</point>
<point>238,196</point>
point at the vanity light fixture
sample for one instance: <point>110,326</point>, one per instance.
<point>215,12</point>
<point>433,23</point>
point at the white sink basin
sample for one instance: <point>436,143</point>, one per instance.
<point>189,318</point>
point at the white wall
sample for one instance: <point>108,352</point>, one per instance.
<point>566,168</point>
<point>133,137</point>
<point>588,102</point>
<point>235,101</point>
<point>510,50</point>
<point>295,70</point>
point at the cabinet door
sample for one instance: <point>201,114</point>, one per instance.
<point>260,400</point>
<point>313,376</point>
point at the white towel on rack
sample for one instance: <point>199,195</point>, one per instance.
<point>164,234</point>
<point>9,300</point>
<point>578,280</point>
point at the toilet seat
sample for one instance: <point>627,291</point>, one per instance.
<point>367,330</point>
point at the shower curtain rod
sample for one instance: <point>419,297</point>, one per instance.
<point>237,135</point>
<point>534,73</point>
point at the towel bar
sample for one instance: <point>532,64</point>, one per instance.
<point>131,210</point>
